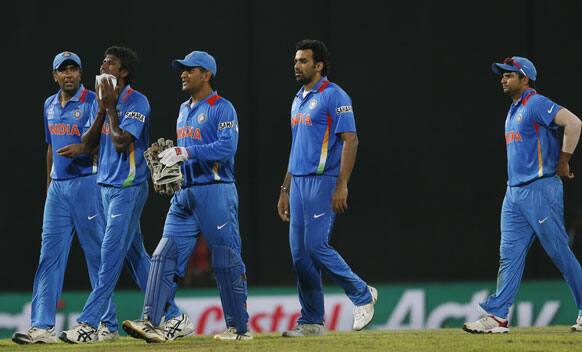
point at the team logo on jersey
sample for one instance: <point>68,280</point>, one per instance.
<point>201,118</point>
<point>312,103</point>
<point>77,114</point>
<point>50,113</point>
<point>519,118</point>
<point>135,115</point>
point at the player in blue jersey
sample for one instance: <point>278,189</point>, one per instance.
<point>534,204</point>
<point>72,202</point>
<point>207,133</point>
<point>119,125</point>
<point>315,189</point>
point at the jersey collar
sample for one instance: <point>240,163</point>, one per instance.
<point>525,96</point>
<point>75,97</point>
<point>323,80</point>
<point>205,100</point>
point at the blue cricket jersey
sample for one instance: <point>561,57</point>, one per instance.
<point>64,126</point>
<point>209,131</point>
<point>316,122</point>
<point>128,168</point>
<point>531,137</point>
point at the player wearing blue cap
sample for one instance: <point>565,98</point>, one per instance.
<point>119,125</point>
<point>207,130</point>
<point>72,202</point>
<point>323,154</point>
<point>534,204</point>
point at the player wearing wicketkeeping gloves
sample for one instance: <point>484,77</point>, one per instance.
<point>72,204</point>
<point>323,154</point>
<point>119,125</point>
<point>534,200</point>
<point>207,134</point>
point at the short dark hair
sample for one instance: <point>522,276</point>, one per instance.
<point>320,52</point>
<point>128,58</point>
<point>531,83</point>
<point>211,80</point>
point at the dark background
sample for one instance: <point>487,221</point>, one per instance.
<point>426,192</point>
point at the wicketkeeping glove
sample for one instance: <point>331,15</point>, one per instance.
<point>166,179</point>
<point>172,156</point>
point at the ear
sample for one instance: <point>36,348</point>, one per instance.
<point>319,67</point>
<point>55,76</point>
<point>207,76</point>
<point>123,73</point>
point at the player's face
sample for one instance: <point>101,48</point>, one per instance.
<point>193,79</point>
<point>512,84</point>
<point>68,77</point>
<point>306,70</point>
<point>111,65</point>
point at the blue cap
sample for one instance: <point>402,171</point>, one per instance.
<point>516,64</point>
<point>66,56</point>
<point>197,59</point>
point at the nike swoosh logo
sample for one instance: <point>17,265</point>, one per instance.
<point>113,216</point>
<point>550,109</point>
<point>221,226</point>
<point>91,217</point>
<point>543,220</point>
<point>315,216</point>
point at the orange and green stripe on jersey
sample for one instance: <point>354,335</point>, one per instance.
<point>324,147</point>
<point>131,175</point>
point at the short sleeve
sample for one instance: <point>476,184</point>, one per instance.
<point>545,111</point>
<point>135,117</point>
<point>340,105</point>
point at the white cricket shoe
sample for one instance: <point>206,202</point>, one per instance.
<point>302,330</point>
<point>489,324</point>
<point>105,335</point>
<point>35,335</point>
<point>143,329</point>
<point>82,333</point>
<point>176,327</point>
<point>575,328</point>
<point>363,314</point>
<point>232,334</point>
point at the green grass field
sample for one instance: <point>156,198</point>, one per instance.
<point>555,339</point>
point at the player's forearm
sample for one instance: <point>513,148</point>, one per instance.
<point>348,160</point>
<point>222,149</point>
<point>571,135</point>
<point>285,186</point>
<point>90,139</point>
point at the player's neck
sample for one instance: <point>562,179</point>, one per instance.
<point>66,96</point>
<point>201,94</point>
<point>519,93</point>
<point>311,84</point>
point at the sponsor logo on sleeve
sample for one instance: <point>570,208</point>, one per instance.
<point>135,115</point>
<point>226,124</point>
<point>344,109</point>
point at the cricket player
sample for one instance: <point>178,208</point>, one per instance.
<point>72,202</point>
<point>207,130</point>
<point>323,154</point>
<point>534,202</point>
<point>119,125</point>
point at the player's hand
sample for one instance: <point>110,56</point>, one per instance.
<point>172,156</point>
<point>563,170</point>
<point>71,150</point>
<point>283,206</point>
<point>108,92</point>
<point>339,199</point>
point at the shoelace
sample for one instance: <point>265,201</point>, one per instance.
<point>85,334</point>
<point>172,327</point>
